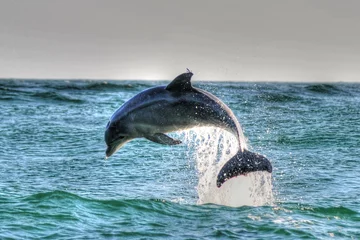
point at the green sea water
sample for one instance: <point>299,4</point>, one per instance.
<point>56,184</point>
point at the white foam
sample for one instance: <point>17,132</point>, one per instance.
<point>211,148</point>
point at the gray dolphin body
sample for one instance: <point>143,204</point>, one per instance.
<point>179,106</point>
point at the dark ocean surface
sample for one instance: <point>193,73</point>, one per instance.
<point>56,184</point>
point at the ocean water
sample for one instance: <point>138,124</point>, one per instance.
<point>56,184</point>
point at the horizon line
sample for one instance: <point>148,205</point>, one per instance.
<point>161,80</point>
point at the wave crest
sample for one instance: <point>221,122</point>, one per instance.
<point>323,88</point>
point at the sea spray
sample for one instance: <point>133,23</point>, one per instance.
<point>210,148</point>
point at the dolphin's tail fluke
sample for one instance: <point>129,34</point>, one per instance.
<point>242,163</point>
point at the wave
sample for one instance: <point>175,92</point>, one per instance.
<point>52,96</point>
<point>339,211</point>
<point>278,97</point>
<point>160,206</point>
<point>22,90</point>
<point>67,203</point>
<point>56,194</point>
<point>7,98</point>
<point>56,210</point>
<point>323,88</point>
<point>55,197</point>
<point>95,85</point>
<point>26,85</point>
<point>56,97</point>
<point>61,90</point>
<point>118,85</point>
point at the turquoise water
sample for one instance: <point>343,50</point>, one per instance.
<point>56,184</point>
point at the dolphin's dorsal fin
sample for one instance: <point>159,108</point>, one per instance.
<point>181,82</point>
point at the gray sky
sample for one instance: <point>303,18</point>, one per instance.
<point>304,40</point>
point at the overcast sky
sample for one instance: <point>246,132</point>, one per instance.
<point>304,40</point>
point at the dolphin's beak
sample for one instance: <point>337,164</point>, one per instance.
<point>114,142</point>
<point>116,145</point>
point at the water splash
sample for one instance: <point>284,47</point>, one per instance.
<point>211,148</point>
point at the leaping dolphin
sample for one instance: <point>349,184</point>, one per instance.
<point>179,106</point>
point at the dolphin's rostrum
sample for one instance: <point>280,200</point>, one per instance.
<point>179,106</point>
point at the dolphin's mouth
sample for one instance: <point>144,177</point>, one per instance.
<point>115,145</point>
<point>110,150</point>
<point>117,139</point>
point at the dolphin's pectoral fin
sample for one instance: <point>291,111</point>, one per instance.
<point>163,139</point>
<point>242,163</point>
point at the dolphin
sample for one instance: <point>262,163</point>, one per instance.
<point>178,106</point>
